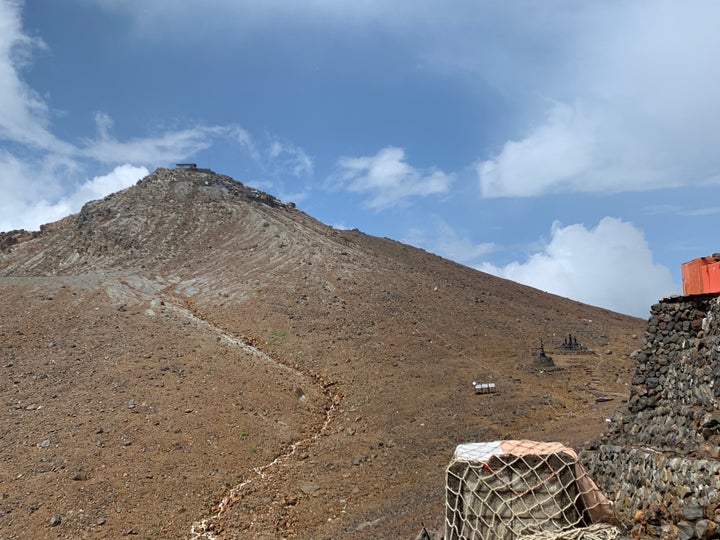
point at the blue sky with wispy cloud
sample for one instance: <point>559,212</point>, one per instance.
<point>566,145</point>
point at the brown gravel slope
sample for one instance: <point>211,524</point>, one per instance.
<point>191,357</point>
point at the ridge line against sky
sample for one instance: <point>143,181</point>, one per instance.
<point>568,146</point>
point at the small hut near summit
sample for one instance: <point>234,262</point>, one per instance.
<point>504,490</point>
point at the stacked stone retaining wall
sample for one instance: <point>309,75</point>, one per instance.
<point>660,458</point>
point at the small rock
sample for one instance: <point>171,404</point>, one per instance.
<point>693,512</point>
<point>101,521</point>
<point>129,532</point>
<point>705,529</point>
<point>685,531</point>
<point>44,444</point>
<point>55,520</point>
<point>131,404</point>
<point>309,489</point>
<point>356,461</point>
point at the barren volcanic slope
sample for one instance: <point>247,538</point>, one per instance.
<point>193,358</point>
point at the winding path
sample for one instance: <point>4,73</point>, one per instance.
<point>162,298</point>
<point>203,528</point>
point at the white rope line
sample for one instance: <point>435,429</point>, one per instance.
<point>596,531</point>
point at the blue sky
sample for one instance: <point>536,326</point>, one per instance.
<point>568,145</point>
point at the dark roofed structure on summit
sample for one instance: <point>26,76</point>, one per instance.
<point>191,167</point>
<point>249,193</point>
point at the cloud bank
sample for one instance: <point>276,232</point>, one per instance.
<point>23,113</point>
<point>610,265</point>
<point>24,212</point>
<point>633,107</point>
<point>388,179</point>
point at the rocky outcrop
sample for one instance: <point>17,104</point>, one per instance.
<point>11,238</point>
<point>659,457</point>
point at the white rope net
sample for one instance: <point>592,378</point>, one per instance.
<point>596,531</point>
<point>503,490</point>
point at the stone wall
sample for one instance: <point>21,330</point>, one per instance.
<point>659,458</point>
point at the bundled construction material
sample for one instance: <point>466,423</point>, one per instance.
<point>503,490</point>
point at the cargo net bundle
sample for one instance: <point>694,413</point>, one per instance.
<point>507,490</point>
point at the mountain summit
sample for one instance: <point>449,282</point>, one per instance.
<point>165,215</point>
<point>191,357</point>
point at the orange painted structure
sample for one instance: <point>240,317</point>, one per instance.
<point>701,275</point>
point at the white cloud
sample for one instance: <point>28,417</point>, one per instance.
<point>708,211</point>
<point>575,149</point>
<point>167,147</point>
<point>637,87</point>
<point>554,155</point>
<point>23,181</point>
<point>120,177</point>
<point>250,14</point>
<point>20,211</point>
<point>13,184</point>
<point>283,165</point>
<point>246,141</point>
<point>389,179</point>
<point>286,158</point>
<point>23,113</point>
<point>609,266</point>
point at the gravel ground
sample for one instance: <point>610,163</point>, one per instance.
<point>190,359</point>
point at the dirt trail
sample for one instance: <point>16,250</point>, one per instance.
<point>203,527</point>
